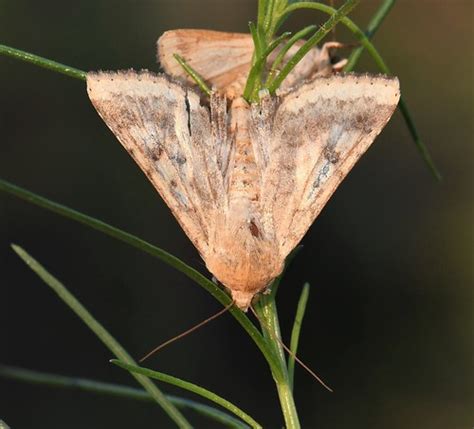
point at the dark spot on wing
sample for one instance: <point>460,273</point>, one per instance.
<point>188,112</point>
<point>331,155</point>
<point>156,154</point>
<point>254,229</point>
<point>179,158</point>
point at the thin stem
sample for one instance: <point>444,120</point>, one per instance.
<point>267,22</point>
<point>266,310</point>
<point>201,391</point>
<point>295,332</point>
<point>107,339</point>
<point>42,62</point>
<point>194,75</point>
<point>298,36</point>
<point>262,9</point>
<point>253,84</point>
<point>312,41</point>
<point>114,390</point>
<point>422,149</point>
<point>372,28</point>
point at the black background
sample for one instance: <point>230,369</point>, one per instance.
<point>389,322</point>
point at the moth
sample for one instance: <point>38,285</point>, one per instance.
<point>224,59</point>
<point>244,181</point>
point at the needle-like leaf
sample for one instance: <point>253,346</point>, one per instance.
<point>201,391</point>
<point>110,342</point>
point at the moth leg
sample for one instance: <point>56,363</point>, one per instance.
<point>329,62</point>
<point>337,67</point>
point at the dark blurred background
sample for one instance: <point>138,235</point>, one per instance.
<point>390,260</point>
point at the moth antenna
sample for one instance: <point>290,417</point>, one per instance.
<point>183,334</point>
<point>293,355</point>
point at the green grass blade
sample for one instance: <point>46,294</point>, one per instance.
<point>194,75</point>
<point>114,390</point>
<point>422,149</point>
<point>372,28</point>
<point>297,36</point>
<point>337,16</point>
<point>254,79</point>
<point>149,248</point>
<point>191,387</point>
<point>267,22</point>
<point>295,332</point>
<point>262,9</point>
<point>42,62</point>
<point>109,341</point>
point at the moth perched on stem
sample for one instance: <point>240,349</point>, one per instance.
<point>244,180</point>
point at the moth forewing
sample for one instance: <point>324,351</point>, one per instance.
<point>320,131</point>
<point>165,129</point>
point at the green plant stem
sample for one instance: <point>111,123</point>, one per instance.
<point>295,332</point>
<point>372,28</point>
<point>107,339</point>
<point>194,75</point>
<point>297,36</point>
<point>115,390</point>
<point>253,84</point>
<point>42,62</point>
<point>337,16</point>
<point>268,316</point>
<point>262,9</point>
<point>134,369</point>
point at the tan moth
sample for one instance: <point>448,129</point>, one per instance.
<point>245,182</point>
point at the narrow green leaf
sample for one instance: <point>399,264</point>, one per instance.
<point>372,28</point>
<point>149,248</point>
<point>106,338</point>
<point>262,8</point>
<point>42,62</point>
<point>422,149</point>
<point>229,406</point>
<point>114,390</point>
<point>267,22</point>
<point>312,41</point>
<point>194,75</point>
<point>298,36</point>
<point>295,332</point>
<point>254,79</point>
